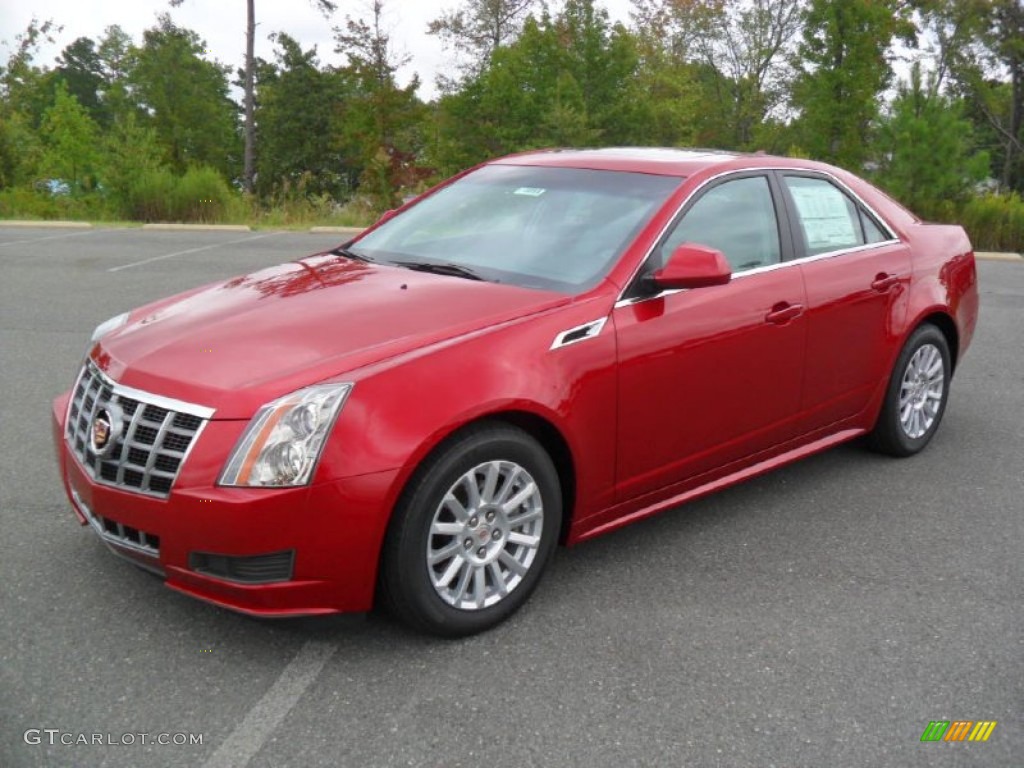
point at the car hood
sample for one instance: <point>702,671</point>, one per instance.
<point>234,345</point>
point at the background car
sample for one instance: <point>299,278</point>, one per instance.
<point>540,350</point>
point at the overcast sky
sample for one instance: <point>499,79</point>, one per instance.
<point>221,23</point>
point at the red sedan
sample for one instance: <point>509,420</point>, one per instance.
<point>540,350</point>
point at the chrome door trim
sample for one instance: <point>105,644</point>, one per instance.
<point>884,225</point>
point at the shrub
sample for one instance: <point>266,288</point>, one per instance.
<point>150,196</point>
<point>26,203</point>
<point>201,195</point>
<point>995,222</point>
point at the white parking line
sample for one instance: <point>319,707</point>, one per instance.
<point>263,719</point>
<point>191,250</point>
<point>51,237</point>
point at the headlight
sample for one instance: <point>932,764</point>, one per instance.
<point>282,444</point>
<point>108,325</point>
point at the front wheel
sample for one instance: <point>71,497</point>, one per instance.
<point>473,532</point>
<point>917,395</point>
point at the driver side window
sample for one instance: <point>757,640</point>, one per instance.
<point>737,218</point>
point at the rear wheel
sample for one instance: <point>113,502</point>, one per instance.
<point>473,532</point>
<point>916,398</point>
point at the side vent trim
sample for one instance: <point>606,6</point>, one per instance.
<point>579,333</point>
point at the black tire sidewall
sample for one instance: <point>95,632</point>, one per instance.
<point>406,571</point>
<point>898,440</point>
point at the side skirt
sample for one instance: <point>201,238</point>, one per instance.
<point>753,470</point>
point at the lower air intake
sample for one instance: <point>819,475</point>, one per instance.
<point>253,569</point>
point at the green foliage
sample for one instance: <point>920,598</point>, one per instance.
<point>150,195</point>
<point>80,68</point>
<point>476,29</point>
<point>994,222</point>
<point>842,72</point>
<point>29,201</point>
<point>298,149</point>
<point>187,97</point>
<point>69,143</point>
<point>928,160</point>
<point>742,54</point>
<point>567,80</point>
<point>131,149</point>
<point>20,149</point>
<point>199,195</point>
<point>380,126</point>
<point>148,130</point>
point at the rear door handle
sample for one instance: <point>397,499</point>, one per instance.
<point>883,282</point>
<point>783,312</point>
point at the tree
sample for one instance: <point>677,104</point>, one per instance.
<point>566,80</point>
<point>327,7</point>
<point>186,98</point>
<point>928,158</point>
<point>79,66</point>
<point>24,87</point>
<point>23,101</point>
<point>131,151</point>
<point>477,29</point>
<point>296,111</point>
<point>70,143</point>
<point>981,53</point>
<point>380,122</point>
<point>117,56</point>
<point>844,67</point>
<point>745,49</point>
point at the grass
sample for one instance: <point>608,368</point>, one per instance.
<point>28,205</point>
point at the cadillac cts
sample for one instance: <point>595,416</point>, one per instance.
<point>540,350</point>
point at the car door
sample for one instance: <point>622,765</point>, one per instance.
<point>710,375</point>
<point>857,274</point>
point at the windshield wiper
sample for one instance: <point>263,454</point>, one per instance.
<point>343,251</point>
<point>439,268</point>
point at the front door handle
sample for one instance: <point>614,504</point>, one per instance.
<point>883,282</point>
<point>783,312</point>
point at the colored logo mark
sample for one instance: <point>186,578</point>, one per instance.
<point>959,730</point>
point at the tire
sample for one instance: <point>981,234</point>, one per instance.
<point>472,533</point>
<point>917,395</point>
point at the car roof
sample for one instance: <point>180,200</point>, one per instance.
<point>654,160</point>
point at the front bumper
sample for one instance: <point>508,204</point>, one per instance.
<point>333,530</point>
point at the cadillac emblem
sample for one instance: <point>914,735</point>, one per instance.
<point>106,428</point>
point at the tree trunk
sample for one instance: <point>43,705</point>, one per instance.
<point>250,121</point>
<point>1011,167</point>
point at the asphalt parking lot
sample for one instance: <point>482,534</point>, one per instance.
<point>821,615</point>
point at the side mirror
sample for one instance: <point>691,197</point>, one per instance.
<point>693,266</point>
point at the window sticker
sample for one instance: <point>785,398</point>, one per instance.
<point>530,191</point>
<point>825,216</point>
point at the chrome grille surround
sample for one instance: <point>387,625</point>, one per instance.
<point>152,442</point>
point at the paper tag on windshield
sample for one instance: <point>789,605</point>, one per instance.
<point>530,191</point>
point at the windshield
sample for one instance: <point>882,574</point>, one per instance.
<point>552,228</point>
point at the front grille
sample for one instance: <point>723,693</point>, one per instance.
<point>128,536</point>
<point>117,533</point>
<point>253,569</point>
<point>153,433</point>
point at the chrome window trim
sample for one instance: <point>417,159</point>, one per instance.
<point>807,172</point>
<point>767,268</point>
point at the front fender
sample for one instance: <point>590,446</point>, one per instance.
<point>401,411</point>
